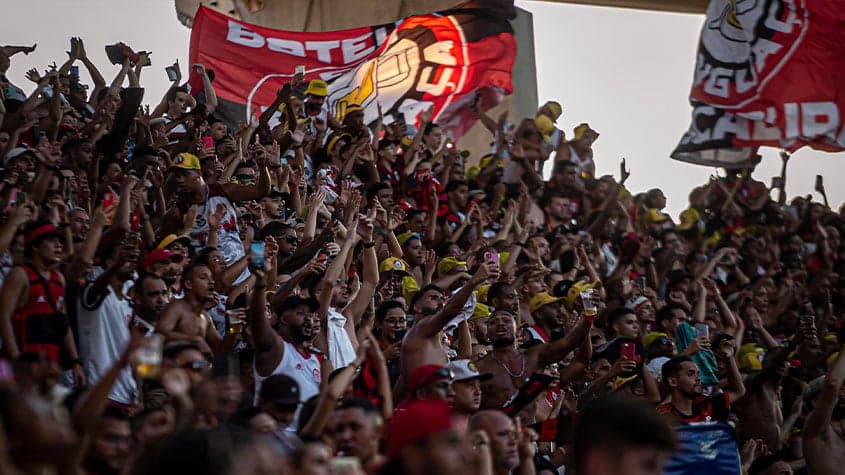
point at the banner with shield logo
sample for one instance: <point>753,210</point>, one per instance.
<point>768,72</point>
<point>443,61</point>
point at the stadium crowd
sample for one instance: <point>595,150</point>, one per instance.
<point>311,294</point>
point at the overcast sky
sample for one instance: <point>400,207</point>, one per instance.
<point>627,73</point>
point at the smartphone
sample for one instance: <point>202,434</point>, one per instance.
<point>171,73</point>
<point>21,198</point>
<point>256,253</point>
<point>400,334</point>
<point>300,69</point>
<point>777,182</point>
<point>819,183</point>
<point>74,70</point>
<point>640,282</point>
<point>701,329</point>
<point>492,257</point>
<point>133,240</point>
<point>628,351</point>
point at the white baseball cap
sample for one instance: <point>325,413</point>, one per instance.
<point>464,370</point>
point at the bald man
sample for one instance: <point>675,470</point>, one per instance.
<point>503,439</point>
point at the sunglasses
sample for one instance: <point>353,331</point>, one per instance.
<point>292,239</point>
<point>245,178</point>
<point>197,365</point>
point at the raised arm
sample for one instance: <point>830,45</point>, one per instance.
<point>355,310</point>
<point>267,344</point>
<point>557,350</point>
<point>818,421</point>
<point>430,326</point>
<point>208,89</point>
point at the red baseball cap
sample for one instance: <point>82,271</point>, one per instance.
<point>158,255</point>
<point>425,374</point>
<point>416,420</point>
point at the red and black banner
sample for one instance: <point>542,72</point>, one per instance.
<point>768,72</point>
<point>441,60</point>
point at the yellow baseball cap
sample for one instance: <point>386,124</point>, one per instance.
<point>447,264</point>
<point>481,293</point>
<point>652,337</point>
<point>750,357</point>
<point>577,287</point>
<point>186,161</point>
<point>406,236</point>
<point>171,238</point>
<point>317,87</point>
<point>481,311</point>
<point>580,130</point>
<point>689,218</point>
<point>393,264</point>
<point>653,215</point>
<point>485,160</point>
<point>543,298</point>
<point>545,126</point>
<point>555,108</point>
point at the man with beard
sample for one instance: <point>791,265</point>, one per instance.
<point>103,315</point>
<point>824,429</point>
<point>192,189</point>
<point>423,343</point>
<point>111,444</point>
<point>187,319</point>
<point>466,385</point>
<point>548,313</point>
<point>164,264</point>
<point>511,366</point>
<point>150,295</point>
<point>292,354</point>
<point>557,209</point>
<point>32,313</point>
<point>687,403</point>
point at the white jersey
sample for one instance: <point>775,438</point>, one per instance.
<point>341,351</point>
<point>302,367</point>
<point>228,239</point>
<point>103,335</point>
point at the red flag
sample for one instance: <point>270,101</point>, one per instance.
<point>438,60</point>
<point>768,72</point>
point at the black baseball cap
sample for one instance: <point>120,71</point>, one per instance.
<point>280,389</point>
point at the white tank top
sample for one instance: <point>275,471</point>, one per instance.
<point>303,368</point>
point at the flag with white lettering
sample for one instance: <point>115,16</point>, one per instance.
<point>768,73</point>
<point>443,60</point>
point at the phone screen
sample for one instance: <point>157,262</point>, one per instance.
<point>701,329</point>
<point>492,257</point>
<point>627,351</point>
<point>256,253</point>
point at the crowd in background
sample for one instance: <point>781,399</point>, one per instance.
<point>312,294</point>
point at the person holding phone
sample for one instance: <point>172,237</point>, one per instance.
<point>189,184</point>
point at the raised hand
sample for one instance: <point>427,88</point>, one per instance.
<point>33,75</point>
<point>624,173</point>
<point>216,218</point>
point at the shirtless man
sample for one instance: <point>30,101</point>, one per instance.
<point>424,342</point>
<point>512,366</point>
<point>186,319</point>
<point>824,429</point>
<point>760,410</point>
